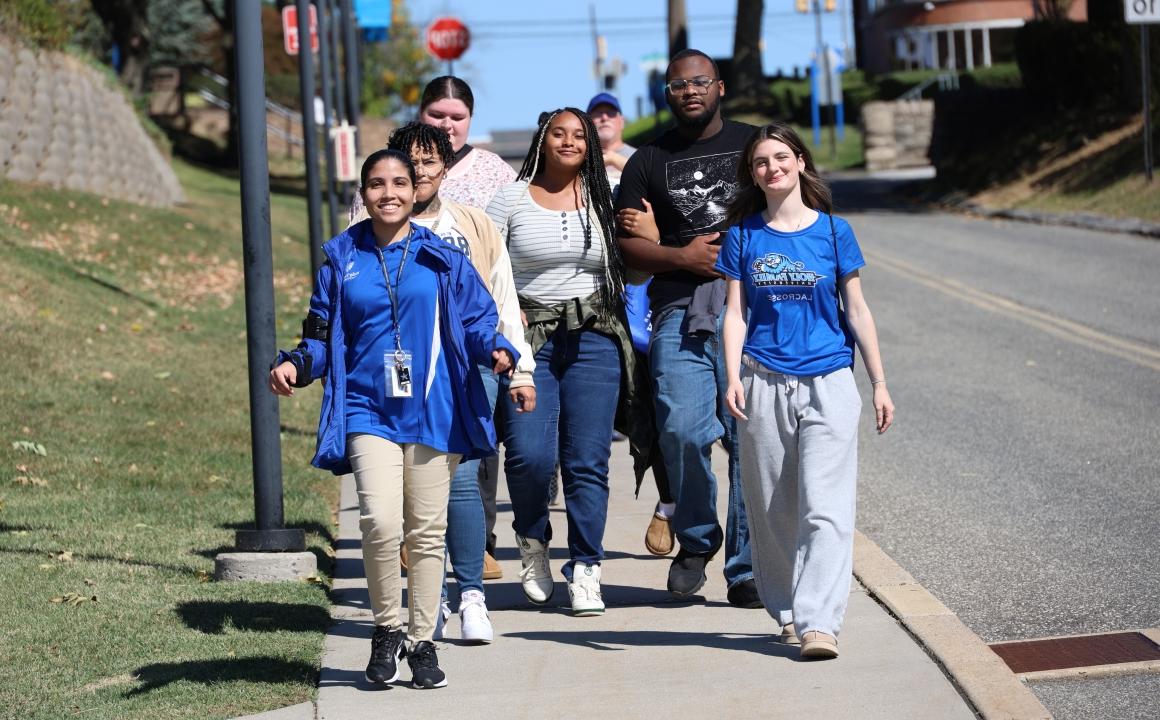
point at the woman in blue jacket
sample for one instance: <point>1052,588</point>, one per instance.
<point>398,322</point>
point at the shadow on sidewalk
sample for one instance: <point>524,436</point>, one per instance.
<point>607,640</point>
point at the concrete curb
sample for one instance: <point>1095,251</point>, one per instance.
<point>986,681</point>
<point>1085,221</point>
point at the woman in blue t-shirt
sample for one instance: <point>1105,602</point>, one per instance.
<point>794,312</point>
<point>398,322</point>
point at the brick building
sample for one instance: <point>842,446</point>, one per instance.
<point>942,34</point>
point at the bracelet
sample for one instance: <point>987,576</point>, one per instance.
<point>877,382</point>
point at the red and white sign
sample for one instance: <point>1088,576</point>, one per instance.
<point>345,166</point>
<point>447,38</point>
<point>290,29</point>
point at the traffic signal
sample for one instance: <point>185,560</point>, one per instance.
<point>802,6</point>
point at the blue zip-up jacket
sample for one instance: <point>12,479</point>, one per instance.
<point>468,334</point>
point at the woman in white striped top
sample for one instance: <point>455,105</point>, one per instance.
<point>558,222</point>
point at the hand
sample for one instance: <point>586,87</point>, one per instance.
<point>735,399</point>
<point>640,223</point>
<point>883,408</point>
<point>700,255</point>
<point>524,318</point>
<point>524,398</point>
<point>504,362</point>
<point>282,378</point>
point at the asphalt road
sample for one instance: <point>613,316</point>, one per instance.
<point>1020,482</point>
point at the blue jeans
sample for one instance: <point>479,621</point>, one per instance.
<point>466,535</point>
<point>577,387</point>
<point>689,373</point>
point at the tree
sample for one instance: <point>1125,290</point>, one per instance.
<point>394,73</point>
<point>748,77</point>
<point>127,22</point>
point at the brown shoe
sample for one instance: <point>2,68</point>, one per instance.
<point>491,569</point>
<point>788,635</point>
<point>403,556</point>
<point>659,536</point>
<point>819,645</point>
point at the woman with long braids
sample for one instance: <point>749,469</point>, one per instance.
<point>470,230</point>
<point>558,222</point>
<point>794,311</point>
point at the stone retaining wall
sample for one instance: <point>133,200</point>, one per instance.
<point>897,134</point>
<point>65,124</point>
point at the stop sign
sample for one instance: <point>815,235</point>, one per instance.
<point>447,38</point>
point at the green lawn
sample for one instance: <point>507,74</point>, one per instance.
<point>124,330</point>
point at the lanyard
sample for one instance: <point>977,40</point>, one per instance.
<point>392,292</point>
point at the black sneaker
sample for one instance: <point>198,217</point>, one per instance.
<point>387,649</point>
<point>425,672</point>
<point>744,595</point>
<point>687,573</point>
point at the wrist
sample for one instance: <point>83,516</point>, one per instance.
<point>876,383</point>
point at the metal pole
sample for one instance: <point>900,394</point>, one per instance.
<point>327,104</point>
<point>353,68</point>
<point>1146,74</point>
<point>258,265</point>
<point>336,59</point>
<point>309,134</point>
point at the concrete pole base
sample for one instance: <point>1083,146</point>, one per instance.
<point>264,566</point>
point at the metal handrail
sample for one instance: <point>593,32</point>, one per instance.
<point>271,106</point>
<point>946,82</point>
<point>225,105</point>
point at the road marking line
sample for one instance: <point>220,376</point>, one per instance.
<point>1071,331</point>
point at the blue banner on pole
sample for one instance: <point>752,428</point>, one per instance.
<point>373,13</point>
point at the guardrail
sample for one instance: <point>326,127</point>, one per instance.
<point>946,82</point>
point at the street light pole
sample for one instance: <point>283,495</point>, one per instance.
<point>309,134</point>
<point>257,258</point>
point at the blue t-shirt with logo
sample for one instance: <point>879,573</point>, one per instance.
<point>795,325</point>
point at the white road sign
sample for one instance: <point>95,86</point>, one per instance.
<point>1142,12</point>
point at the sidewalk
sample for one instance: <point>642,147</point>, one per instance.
<point>648,656</point>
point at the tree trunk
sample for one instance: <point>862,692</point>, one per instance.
<point>678,27</point>
<point>128,24</point>
<point>748,79</point>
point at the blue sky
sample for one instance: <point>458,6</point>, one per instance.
<point>533,55</point>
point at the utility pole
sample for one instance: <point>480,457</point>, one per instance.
<point>678,27</point>
<point>598,56</point>
<point>257,258</point>
<point>353,72</point>
<point>309,134</point>
<point>324,67</point>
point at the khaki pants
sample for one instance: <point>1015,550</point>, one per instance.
<point>402,488</point>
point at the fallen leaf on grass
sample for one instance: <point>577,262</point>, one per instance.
<point>106,375</point>
<point>30,480</point>
<point>73,599</point>
<point>203,576</point>
<point>22,468</point>
<point>317,579</point>
<point>133,467</point>
<point>65,556</point>
<point>29,446</point>
<point>162,375</point>
<point>143,525</point>
<point>46,566</point>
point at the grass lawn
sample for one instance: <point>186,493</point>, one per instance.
<point>1128,197</point>
<point>125,461</point>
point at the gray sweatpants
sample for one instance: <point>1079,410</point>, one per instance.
<point>799,469</point>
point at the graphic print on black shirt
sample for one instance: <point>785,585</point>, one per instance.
<point>700,189</point>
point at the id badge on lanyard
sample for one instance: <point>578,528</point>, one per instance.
<point>397,367</point>
<point>397,364</point>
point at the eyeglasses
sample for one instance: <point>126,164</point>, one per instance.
<point>700,84</point>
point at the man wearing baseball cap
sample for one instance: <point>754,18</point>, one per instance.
<point>604,109</point>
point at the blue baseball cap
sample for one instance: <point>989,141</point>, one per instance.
<point>604,99</point>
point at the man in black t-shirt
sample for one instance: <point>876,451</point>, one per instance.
<point>689,175</point>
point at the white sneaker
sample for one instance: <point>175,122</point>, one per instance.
<point>474,624</point>
<point>536,575</point>
<point>441,619</point>
<point>584,590</point>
